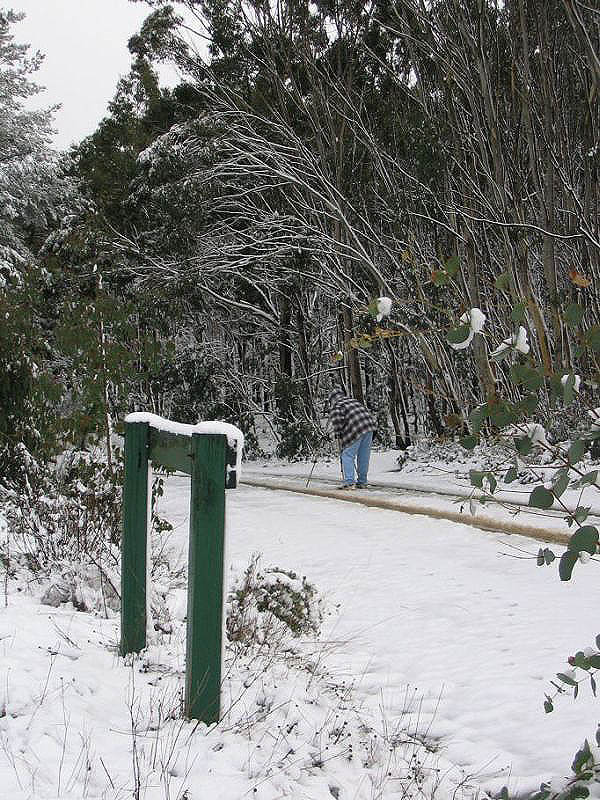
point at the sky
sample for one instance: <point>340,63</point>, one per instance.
<point>85,47</point>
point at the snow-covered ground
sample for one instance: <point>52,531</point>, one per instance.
<point>435,635</point>
<point>446,484</point>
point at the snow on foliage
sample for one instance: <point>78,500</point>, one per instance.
<point>518,341</point>
<point>576,384</point>
<point>384,308</point>
<point>475,319</point>
<point>532,430</point>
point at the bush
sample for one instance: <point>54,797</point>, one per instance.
<point>266,605</point>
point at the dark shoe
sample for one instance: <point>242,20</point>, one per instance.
<point>361,485</point>
<point>346,486</point>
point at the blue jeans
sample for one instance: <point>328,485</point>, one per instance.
<point>360,450</point>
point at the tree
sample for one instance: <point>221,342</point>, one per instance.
<point>35,193</point>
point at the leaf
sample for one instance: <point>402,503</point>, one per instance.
<point>453,421</point>
<point>531,378</point>
<point>502,281</point>
<point>477,416</point>
<point>573,314</point>
<point>440,277</point>
<point>518,312</point>
<point>458,335</point>
<point>566,679</point>
<point>594,661</point>
<point>593,685</point>
<point>548,556</point>
<point>576,451</point>
<point>578,279</point>
<point>541,498</point>
<point>566,564</point>
<point>582,756</point>
<point>598,641</point>
<point>586,539</point>
<point>476,478</point>
<point>452,265</point>
<point>589,478</point>
<point>568,389</point>
<point>372,310</point>
<point>561,482</point>
<point>548,707</point>
<point>592,336</point>
<point>581,514</point>
<point>502,415</point>
<point>529,404</point>
<point>469,442</point>
<point>540,558</point>
<point>511,475</point>
<point>523,445</point>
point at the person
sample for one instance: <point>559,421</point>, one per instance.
<point>353,425</point>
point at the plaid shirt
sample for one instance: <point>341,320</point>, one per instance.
<point>349,418</point>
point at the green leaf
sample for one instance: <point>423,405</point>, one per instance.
<point>531,378</point>
<point>589,478</point>
<point>594,661</point>
<point>566,564</point>
<point>504,793</point>
<point>548,556</point>
<point>566,679</point>
<point>458,335</point>
<point>581,514</point>
<point>573,314</point>
<point>502,415</point>
<point>529,404</point>
<point>568,389</point>
<point>518,312</point>
<point>476,478</point>
<point>469,442</point>
<point>541,498</point>
<point>560,482</point>
<point>585,538</point>
<point>440,277</point>
<point>502,281</point>
<point>576,451</point>
<point>540,558</point>
<point>592,337</point>
<point>580,660</point>
<point>523,445</point>
<point>582,756</point>
<point>511,475</point>
<point>548,707</point>
<point>452,265</point>
<point>372,310</point>
<point>477,416</point>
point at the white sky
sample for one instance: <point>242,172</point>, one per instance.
<point>85,44</point>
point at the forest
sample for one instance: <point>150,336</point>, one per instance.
<point>216,250</point>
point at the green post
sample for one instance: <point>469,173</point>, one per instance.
<point>205,578</point>
<point>133,546</point>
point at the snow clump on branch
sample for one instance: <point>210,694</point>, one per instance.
<point>530,430</point>
<point>475,319</point>
<point>384,308</point>
<point>518,341</point>
<point>576,383</point>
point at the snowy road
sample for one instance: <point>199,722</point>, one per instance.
<point>433,611</point>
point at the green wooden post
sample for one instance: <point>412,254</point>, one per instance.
<point>205,578</point>
<point>133,546</point>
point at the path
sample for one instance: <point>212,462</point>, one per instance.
<point>436,625</point>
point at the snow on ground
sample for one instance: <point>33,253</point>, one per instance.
<point>446,484</point>
<point>437,636</point>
